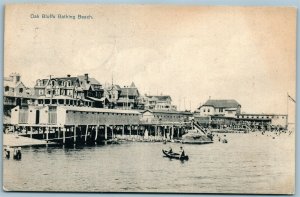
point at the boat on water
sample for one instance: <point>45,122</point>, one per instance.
<point>197,135</point>
<point>175,155</point>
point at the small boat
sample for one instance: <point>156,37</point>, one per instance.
<point>175,155</point>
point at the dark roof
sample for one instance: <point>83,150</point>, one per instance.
<point>92,81</point>
<point>87,85</point>
<point>161,98</point>
<point>231,103</point>
<point>129,92</point>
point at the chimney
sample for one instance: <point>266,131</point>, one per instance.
<point>86,77</point>
<point>68,75</point>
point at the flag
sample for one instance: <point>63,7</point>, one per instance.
<point>291,98</point>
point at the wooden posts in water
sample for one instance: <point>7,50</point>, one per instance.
<point>31,131</point>
<point>64,135</point>
<point>86,132</point>
<point>75,128</point>
<point>105,132</point>
<point>97,130</point>
<point>47,134</point>
<point>172,132</point>
<point>130,130</point>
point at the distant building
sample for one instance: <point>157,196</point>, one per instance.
<point>128,97</point>
<point>275,120</point>
<point>163,116</point>
<point>80,91</point>
<point>13,86</point>
<point>162,102</point>
<point>112,93</point>
<point>15,94</point>
<point>227,108</point>
<point>227,114</point>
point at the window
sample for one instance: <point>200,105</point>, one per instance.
<point>221,110</point>
<point>208,110</point>
<point>41,92</point>
<point>204,110</point>
<point>6,88</point>
<point>20,90</point>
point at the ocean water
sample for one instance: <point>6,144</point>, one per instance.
<point>248,163</point>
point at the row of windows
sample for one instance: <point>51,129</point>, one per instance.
<point>220,110</point>
<point>262,117</point>
<point>53,83</point>
<point>61,102</point>
<point>166,116</point>
<point>105,113</point>
<point>6,89</point>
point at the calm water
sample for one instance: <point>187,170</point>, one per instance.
<point>247,163</point>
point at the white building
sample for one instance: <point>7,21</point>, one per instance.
<point>227,108</point>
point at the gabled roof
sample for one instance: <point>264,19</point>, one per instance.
<point>230,103</point>
<point>86,85</point>
<point>129,92</point>
<point>12,84</point>
<point>115,87</point>
<point>132,85</point>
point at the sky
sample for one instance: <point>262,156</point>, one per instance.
<point>188,52</point>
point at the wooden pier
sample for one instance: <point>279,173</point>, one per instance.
<point>81,125</point>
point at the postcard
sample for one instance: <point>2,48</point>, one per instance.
<point>149,98</point>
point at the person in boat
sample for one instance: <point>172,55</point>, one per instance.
<point>170,150</point>
<point>182,154</point>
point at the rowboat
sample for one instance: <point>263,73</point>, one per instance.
<point>175,155</point>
